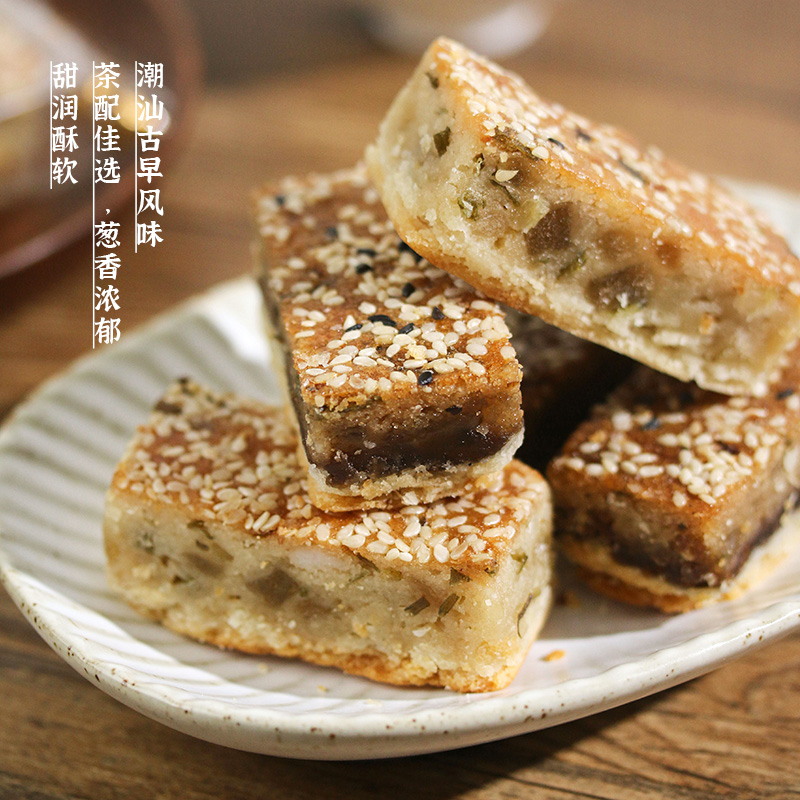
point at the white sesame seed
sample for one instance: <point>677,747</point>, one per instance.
<point>441,553</point>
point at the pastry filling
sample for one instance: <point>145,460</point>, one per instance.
<point>350,448</point>
<point>670,549</point>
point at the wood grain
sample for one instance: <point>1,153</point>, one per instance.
<point>715,84</point>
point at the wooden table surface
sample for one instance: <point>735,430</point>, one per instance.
<point>716,84</point>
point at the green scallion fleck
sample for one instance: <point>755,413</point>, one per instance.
<point>417,606</point>
<point>457,577</point>
<point>441,141</point>
<point>522,611</point>
<point>366,563</point>
<point>574,265</point>
<point>521,559</point>
<point>468,205</point>
<point>447,605</point>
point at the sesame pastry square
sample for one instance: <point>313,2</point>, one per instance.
<point>402,378</point>
<point>675,497</point>
<point>209,529</point>
<point>578,223</point>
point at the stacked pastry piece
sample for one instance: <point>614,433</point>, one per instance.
<point>669,496</point>
<point>378,522</point>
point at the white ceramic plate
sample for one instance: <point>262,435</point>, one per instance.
<point>57,453</point>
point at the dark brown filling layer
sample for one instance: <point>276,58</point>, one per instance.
<point>438,442</point>
<point>703,570</point>
<point>685,561</point>
<point>436,439</point>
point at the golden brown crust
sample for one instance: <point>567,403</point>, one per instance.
<point>209,529</point>
<point>326,229</point>
<point>681,448</point>
<point>598,568</point>
<point>629,585</point>
<point>420,487</point>
<point>638,180</point>
<point>399,671</point>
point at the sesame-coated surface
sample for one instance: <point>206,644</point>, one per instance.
<point>231,461</point>
<point>694,210</point>
<point>678,447</point>
<point>363,316</point>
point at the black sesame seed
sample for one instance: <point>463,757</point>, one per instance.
<point>733,449</point>
<point>652,425</point>
<point>407,328</point>
<point>357,327</point>
<point>425,377</point>
<point>332,232</point>
<point>382,318</point>
<point>453,410</point>
<point>362,268</point>
<point>633,171</point>
<point>434,79</point>
<point>408,290</point>
<point>404,248</point>
<point>366,251</point>
<point>280,199</point>
<point>581,134</point>
<point>437,313</point>
<point>556,142</point>
<point>782,395</point>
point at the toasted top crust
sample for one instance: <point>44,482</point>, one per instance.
<point>230,461</point>
<point>698,212</point>
<point>683,448</point>
<point>363,314</point>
